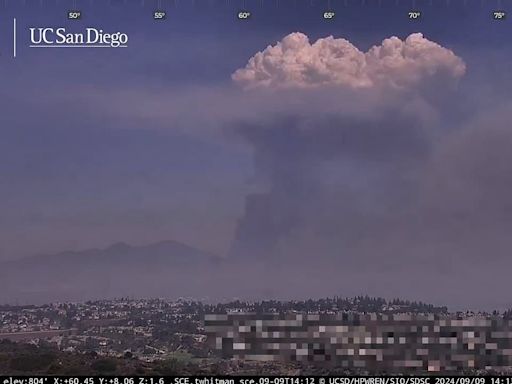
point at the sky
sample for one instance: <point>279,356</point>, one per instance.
<point>384,149</point>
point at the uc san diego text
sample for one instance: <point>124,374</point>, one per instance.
<point>90,37</point>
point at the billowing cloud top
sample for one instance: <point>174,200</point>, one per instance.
<point>295,63</point>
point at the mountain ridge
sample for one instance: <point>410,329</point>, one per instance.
<point>165,268</point>
<point>171,246</point>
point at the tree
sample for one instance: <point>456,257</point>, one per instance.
<point>169,367</point>
<point>104,365</point>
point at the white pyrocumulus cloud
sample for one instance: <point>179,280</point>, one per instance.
<point>296,63</point>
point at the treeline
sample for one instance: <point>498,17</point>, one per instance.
<point>357,304</point>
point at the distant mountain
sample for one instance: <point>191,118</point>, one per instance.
<point>162,269</point>
<point>163,252</point>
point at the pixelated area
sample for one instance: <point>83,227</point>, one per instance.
<point>432,343</point>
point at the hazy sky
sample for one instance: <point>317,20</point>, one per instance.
<point>329,153</point>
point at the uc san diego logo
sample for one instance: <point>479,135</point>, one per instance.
<point>89,38</point>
